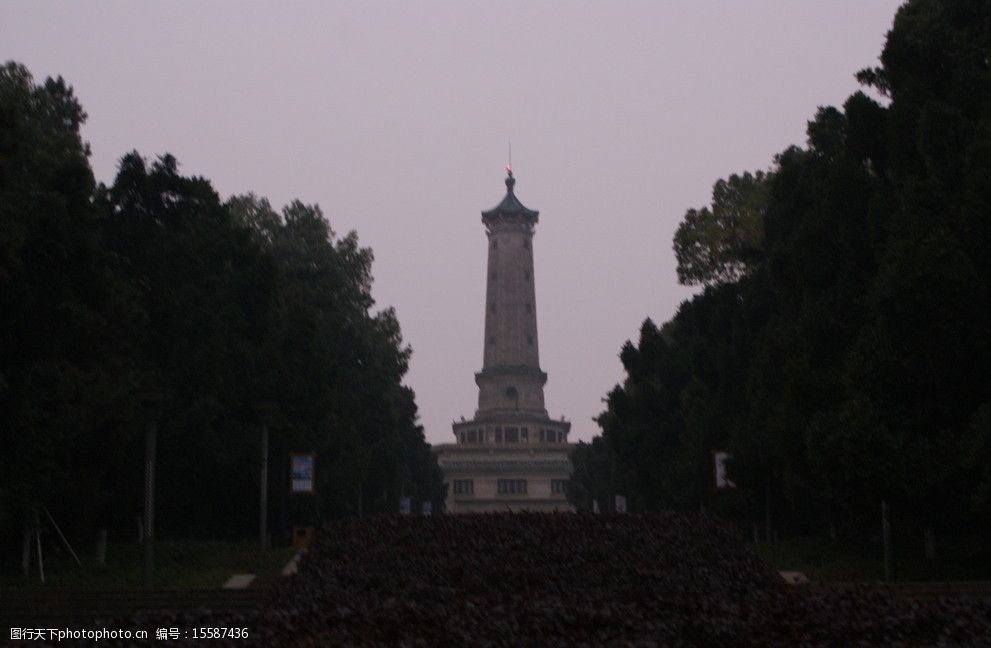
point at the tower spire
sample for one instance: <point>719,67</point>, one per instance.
<point>510,181</point>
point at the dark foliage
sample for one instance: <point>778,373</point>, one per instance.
<point>842,356</point>
<point>155,281</point>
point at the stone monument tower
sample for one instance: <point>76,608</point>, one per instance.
<point>510,455</point>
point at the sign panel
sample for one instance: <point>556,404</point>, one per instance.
<point>719,459</point>
<point>301,467</point>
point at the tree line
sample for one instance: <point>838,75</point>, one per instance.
<point>157,281</point>
<point>839,347</point>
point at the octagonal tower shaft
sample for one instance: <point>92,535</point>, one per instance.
<point>511,379</point>
<point>511,313</point>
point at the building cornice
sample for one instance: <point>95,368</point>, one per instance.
<point>505,466</point>
<point>511,370</point>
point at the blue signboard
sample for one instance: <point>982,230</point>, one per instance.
<point>301,472</point>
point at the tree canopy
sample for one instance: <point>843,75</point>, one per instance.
<point>839,349</point>
<point>155,280</point>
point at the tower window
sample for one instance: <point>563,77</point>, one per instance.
<point>529,339</point>
<point>492,307</point>
<point>558,486</point>
<point>525,435</point>
<point>464,487</point>
<point>498,435</point>
<point>526,275</point>
<point>512,435</point>
<point>529,308</point>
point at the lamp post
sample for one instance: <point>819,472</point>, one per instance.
<point>152,400</point>
<point>264,410</point>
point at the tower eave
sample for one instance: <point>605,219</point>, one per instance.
<point>503,210</point>
<point>511,370</point>
<point>510,205</point>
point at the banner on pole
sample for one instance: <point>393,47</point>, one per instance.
<point>719,459</point>
<point>301,468</point>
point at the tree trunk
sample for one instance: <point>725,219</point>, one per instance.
<point>767,509</point>
<point>37,537</point>
<point>263,537</point>
<point>101,547</point>
<point>929,538</point>
<point>889,560</point>
<point>26,550</point>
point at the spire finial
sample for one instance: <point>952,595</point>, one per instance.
<point>510,181</point>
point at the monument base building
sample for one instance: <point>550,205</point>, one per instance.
<point>521,473</point>
<point>511,455</point>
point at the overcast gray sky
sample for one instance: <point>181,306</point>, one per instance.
<point>395,117</point>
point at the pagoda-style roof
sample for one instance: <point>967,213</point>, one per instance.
<point>510,205</point>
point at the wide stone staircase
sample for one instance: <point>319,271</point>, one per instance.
<point>979,590</point>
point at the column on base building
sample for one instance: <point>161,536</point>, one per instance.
<point>511,455</point>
